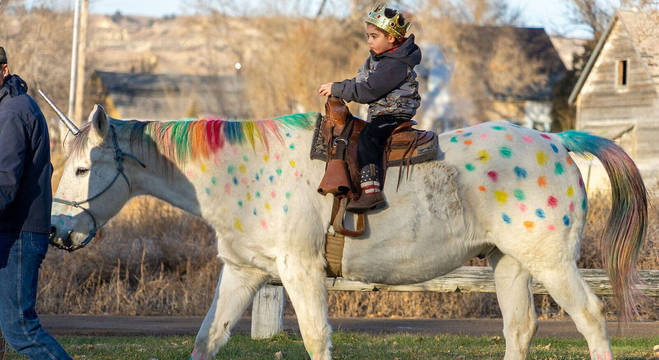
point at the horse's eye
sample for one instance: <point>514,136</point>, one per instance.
<point>82,172</point>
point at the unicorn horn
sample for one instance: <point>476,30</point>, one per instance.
<point>69,124</point>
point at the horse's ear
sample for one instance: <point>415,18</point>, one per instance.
<point>100,124</point>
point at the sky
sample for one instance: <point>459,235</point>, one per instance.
<point>535,13</point>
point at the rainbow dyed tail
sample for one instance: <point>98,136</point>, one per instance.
<point>626,227</point>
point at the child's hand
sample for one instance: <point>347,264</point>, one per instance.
<point>325,89</point>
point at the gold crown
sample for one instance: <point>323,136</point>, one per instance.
<point>391,25</point>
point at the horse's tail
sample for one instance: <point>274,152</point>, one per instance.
<point>626,227</point>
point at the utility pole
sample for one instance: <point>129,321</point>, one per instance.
<point>74,59</point>
<point>80,73</point>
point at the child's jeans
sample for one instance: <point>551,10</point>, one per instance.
<point>373,139</point>
<point>21,254</point>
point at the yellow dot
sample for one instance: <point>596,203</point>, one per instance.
<point>292,162</point>
<point>238,225</point>
<point>541,157</point>
<point>242,169</point>
<point>249,197</point>
<point>483,156</point>
<point>570,191</point>
<point>265,158</point>
<point>203,168</point>
<point>501,196</point>
<point>267,206</point>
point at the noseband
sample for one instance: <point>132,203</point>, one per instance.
<point>119,158</point>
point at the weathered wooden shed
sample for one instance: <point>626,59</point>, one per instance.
<point>146,96</point>
<point>617,94</point>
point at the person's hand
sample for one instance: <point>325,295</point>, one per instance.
<point>325,89</point>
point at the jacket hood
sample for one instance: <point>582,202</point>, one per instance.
<point>408,52</point>
<point>13,85</point>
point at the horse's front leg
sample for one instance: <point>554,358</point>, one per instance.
<point>304,280</point>
<point>235,289</point>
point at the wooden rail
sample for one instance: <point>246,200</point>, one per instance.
<point>268,306</point>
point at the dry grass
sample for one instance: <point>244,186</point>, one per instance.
<point>154,259</point>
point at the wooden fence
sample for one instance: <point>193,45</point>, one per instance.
<point>268,305</point>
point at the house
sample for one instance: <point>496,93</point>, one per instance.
<point>146,96</point>
<point>617,94</point>
<point>513,69</point>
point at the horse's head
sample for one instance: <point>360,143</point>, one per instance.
<point>95,183</point>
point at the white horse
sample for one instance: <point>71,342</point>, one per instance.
<point>497,189</point>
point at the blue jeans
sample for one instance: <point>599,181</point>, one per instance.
<point>21,255</point>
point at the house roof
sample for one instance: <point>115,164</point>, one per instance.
<point>173,96</point>
<point>643,29</point>
<point>533,45</point>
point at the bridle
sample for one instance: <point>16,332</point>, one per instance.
<point>119,156</point>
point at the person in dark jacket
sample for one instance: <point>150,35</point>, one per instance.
<point>25,203</point>
<point>387,82</point>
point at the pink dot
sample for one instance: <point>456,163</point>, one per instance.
<point>527,139</point>
<point>216,160</point>
<point>484,136</point>
<point>493,175</point>
<point>571,206</point>
<point>297,173</point>
<point>521,207</point>
<point>244,181</point>
<point>190,174</point>
<point>227,189</point>
<point>545,136</point>
<point>235,150</point>
<point>277,156</point>
<point>551,227</point>
<point>263,223</point>
<point>552,202</point>
<point>273,194</point>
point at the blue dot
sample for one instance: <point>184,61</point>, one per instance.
<point>540,213</point>
<point>467,134</point>
<point>506,218</point>
<point>288,134</point>
<point>208,191</point>
<point>257,177</point>
<point>271,178</point>
<point>285,208</point>
<point>553,147</point>
<point>520,172</point>
<point>235,180</point>
<point>566,220</point>
<point>254,212</point>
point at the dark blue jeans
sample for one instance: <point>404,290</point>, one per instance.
<point>21,255</point>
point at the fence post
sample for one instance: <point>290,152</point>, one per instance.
<point>268,312</point>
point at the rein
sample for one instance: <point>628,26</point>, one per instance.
<point>119,158</point>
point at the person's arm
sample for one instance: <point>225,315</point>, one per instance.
<point>13,145</point>
<point>389,74</point>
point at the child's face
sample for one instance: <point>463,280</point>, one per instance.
<point>377,41</point>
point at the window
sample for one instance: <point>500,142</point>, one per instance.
<point>622,72</point>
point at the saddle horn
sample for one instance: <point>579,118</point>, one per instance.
<point>69,124</point>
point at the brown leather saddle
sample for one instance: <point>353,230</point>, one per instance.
<point>335,141</point>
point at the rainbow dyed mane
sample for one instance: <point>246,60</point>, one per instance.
<point>197,139</point>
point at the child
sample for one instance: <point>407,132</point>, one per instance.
<point>387,83</point>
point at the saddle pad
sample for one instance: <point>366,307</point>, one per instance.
<point>426,151</point>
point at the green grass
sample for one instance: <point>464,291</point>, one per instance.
<point>346,346</point>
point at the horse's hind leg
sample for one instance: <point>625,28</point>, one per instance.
<point>235,289</point>
<point>515,296</point>
<point>568,288</point>
<point>304,280</point>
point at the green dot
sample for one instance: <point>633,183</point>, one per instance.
<point>240,203</point>
<point>505,151</point>
<point>519,194</point>
<point>288,195</point>
<point>258,194</point>
<point>559,169</point>
<point>497,127</point>
<point>230,169</point>
<point>454,139</point>
<point>470,167</point>
<point>213,180</point>
<point>292,146</point>
<point>278,171</point>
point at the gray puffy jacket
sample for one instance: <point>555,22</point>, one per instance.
<point>387,82</point>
